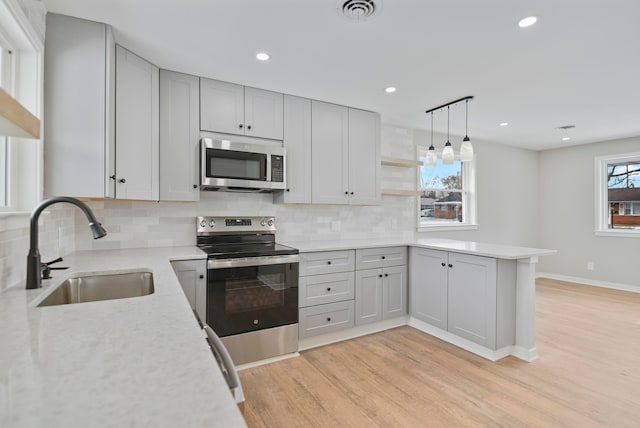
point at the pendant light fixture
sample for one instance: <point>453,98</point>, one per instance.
<point>466,149</point>
<point>447,152</point>
<point>431,158</point>
<point>448,155</point>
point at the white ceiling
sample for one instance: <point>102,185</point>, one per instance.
<point>579,65</point>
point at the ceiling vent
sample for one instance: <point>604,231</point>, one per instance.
<point>359,10</point>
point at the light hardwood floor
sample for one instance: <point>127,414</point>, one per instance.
<point>588,374</point>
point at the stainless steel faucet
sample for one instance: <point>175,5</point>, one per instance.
<point>33,258</point>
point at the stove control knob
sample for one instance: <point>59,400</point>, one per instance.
<point>203,223</point>
<point>212,223</point>
<point>270,222</point>
<point>263,222</point>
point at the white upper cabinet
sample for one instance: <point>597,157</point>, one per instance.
<point>297,143</point>
<point>364,157</point>
<point>179,136</point>
<point>137,127</point>
<point>345,155</point>
<point>329,153</point>
<point>234,109</point>
<point>79,73</point>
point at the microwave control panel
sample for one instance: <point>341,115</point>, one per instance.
<point>277,168</point>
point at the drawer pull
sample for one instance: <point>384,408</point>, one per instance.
<point>328,288</point>
<point>386,274</point>
<point>382,257</point>
<point>444,264</point>
<point>380,276</point>
<point>329,262</point>
<point>450,265</point>
<point>328,319</point>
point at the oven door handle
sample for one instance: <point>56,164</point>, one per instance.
<point>252,261</point>
<point>232,375</point>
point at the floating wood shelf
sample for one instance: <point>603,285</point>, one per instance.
<point>405,163</point>
<point>401,192</point>
<point>15,120</point>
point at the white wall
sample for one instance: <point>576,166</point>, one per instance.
<point>567,213</point>
<point>507,194</point>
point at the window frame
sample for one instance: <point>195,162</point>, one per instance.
<point>602,195</point>
<point>469,197</point>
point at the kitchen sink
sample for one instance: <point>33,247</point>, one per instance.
<point>93,288</point>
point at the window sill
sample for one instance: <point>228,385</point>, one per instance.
<point>619,233</point>
<point>448,227</point>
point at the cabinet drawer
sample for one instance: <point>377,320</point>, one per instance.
<point>326,262</point>
<point>328,288</point>
<point>328,318</point>
<point>371,258</point>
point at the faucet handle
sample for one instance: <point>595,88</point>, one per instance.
<point>45,270</point>
<point>59,259</point>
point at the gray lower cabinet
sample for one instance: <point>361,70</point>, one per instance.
<point>470,296</point>
<point>381,293</point>
<point>326,292</point>
<point>192,275</point>
<point>329,318</point>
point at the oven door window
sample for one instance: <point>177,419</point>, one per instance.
<point>245,299</point>
<point>239,165</point>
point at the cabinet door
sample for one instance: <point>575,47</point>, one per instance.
<point>193,280</point>
<point>263,113</point>
<point>329,153</point>
<point>472,298</point>
<point>137,127</point>
<point>394,292</point>
<point>297,143</point>
<point>78,83</point>
<point>221,107</point>
<point>429,286</point>
<point>179,136</point>
<point>364,157</point>
<point>368,296</point>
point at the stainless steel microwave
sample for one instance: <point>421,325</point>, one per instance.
<point>233,166</point>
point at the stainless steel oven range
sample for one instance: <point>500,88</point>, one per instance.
<point>252,287</point>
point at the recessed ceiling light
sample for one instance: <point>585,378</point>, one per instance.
<point>504,123</point>
<point>263,56</point>
<point>390,90</point>
<point>566,138</point>
<point>527,22</point>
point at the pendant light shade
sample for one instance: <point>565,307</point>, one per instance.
<point>447,152</point>
<point>466,149</point>
<point>431,158</point>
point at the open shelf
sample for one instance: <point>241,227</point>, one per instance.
<point>404,163</point>
<point>15,120</point>
<point>401,192</point>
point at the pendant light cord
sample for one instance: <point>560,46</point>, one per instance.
<point>447,124</point>
<point>466,118</point>
<point>431,130</point>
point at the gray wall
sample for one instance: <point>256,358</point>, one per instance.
<point>567,217</point>
<point>507,188</point>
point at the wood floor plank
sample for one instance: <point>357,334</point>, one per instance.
<point>588,374</point>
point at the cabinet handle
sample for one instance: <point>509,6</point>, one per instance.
<point>380,276</point>
<point>382,257</point>
<point>450,265</point>
<point>346,193</point>
<point>444,264</point>
<point>122,180</point>
<point>386,274</point>
<point>195,186</point>
<point>201,276</point>
<point>288,190</point>
<point>240,126</point>
<point>328,288</point>
<point>328,319</point>
<point>352,193</point>
<point>249,127</point>
<point>328,262</point>
<point>113,177</point>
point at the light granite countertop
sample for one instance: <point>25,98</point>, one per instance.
<point>136,362</point>
<point>467,247</point>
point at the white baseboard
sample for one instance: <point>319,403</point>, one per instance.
<point>472,347</point>
<point>590,282</point>
<point>353,332</point>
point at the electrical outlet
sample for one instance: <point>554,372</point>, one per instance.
<point>335,226</point>
<point>591,266</point>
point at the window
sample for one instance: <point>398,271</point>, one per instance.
<point>448,195</point>
<point>618,195</point>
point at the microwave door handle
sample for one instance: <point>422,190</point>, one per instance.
<point>234,382</point>
<point>267,171</point>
